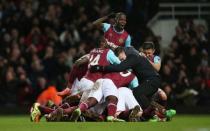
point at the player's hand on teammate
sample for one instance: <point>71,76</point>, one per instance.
<point>142,54</point>
<point>96,68</point>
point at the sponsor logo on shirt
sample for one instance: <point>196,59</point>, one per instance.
<point>121,40</point>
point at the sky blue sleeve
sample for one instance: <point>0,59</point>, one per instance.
<point>134,83</point>
<point>105,27</point>
<point>112,58</point>
<point>157,60</point>
<point>128,41</point>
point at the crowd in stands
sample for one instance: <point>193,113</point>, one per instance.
<point>185,66</point>
<point>41,39</point>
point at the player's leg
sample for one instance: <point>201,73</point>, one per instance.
<point>81,92</point>
<point>38,110</point>
<point>121,104</point>
<point>132,111</point>
<point>72,100</point>
<point>144,92</point>
<point>95,96</point>
<point>45,110</point>
<point>60,113</point>
<point>110,93</point>
<point>95,113</point>
<point>35,112</point>
<point>132,104</point>
<point>160,100</point>
<point>121,113</point>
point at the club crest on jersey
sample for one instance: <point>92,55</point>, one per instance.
<point>121,40</point>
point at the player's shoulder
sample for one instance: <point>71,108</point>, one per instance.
<point>132,56</point>
<point>156,57</point>
<point>106,26</point>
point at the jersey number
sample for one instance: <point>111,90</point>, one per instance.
<point>94,60</point>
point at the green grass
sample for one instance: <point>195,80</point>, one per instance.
<point>179,123</point>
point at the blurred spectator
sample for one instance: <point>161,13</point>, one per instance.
<point>186,65</point>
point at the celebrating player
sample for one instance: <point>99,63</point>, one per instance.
<point>115,34</point>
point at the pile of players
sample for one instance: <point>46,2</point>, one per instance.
<point>105,85</point>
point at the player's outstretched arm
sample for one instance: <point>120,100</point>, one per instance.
<point>124,65</point>
<point>129,63</point>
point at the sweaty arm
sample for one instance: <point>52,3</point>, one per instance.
<point>130,61</point>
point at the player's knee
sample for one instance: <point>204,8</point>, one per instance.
<point>111,99</point>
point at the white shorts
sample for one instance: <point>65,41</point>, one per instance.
<point>105,87</point>
<point>85,95</point>
<point>85,84</point>
<point>126,100</point>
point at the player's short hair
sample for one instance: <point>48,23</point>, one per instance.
<point>148,45</point>
<point>117,16</point>
<point>119,50</point>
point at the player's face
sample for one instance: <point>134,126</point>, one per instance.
<point>121,22</point>
<point>149,52</point>
<point>122,56</point>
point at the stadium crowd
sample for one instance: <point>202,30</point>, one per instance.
<point>40,40</point>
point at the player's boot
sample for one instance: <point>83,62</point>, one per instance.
<point>135,114</point>
<point>35,112</point>
<point>154,119</point>
<point>113,119</point>
<point>75,115</point>
<point>170,113</point>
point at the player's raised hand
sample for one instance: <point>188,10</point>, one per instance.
<point>96,68</point>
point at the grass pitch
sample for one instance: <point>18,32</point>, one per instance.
<point>179,123</point>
